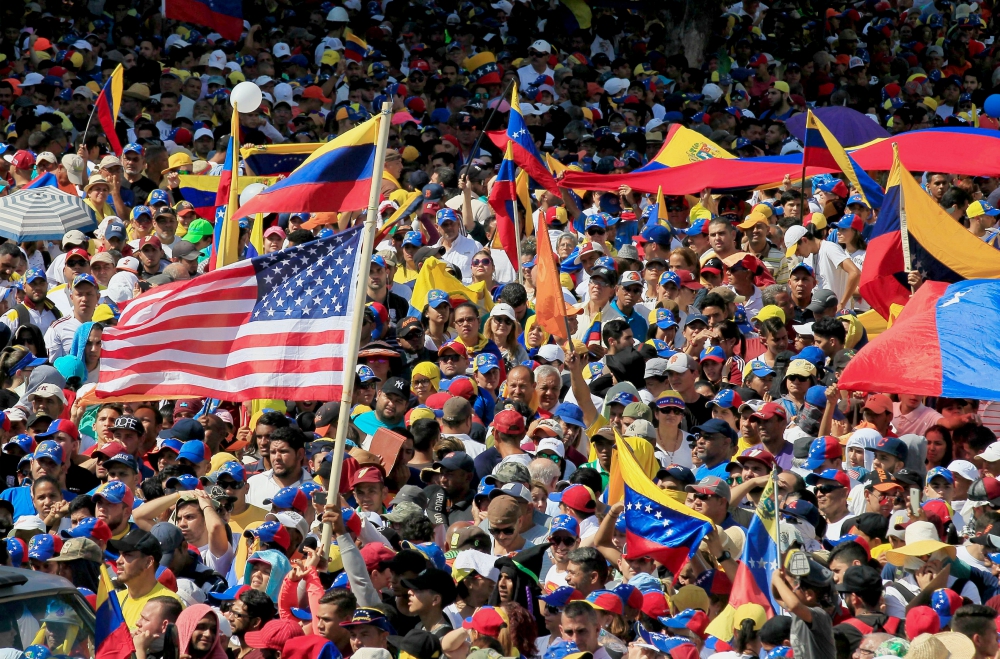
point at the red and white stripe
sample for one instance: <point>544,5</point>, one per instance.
<point>196,339</point>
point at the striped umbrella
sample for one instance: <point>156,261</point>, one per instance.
<point>45,213</point>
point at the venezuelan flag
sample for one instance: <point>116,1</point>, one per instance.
<point>48,179</point>
<point>223,16</point>
<point>656,524</point>
<point>822,149</point>
<point>108,103</point>
<point>336,177</point>
<point>682,146</point>
<point>112,639</point>
<point>226,243</point>
<point>412,202</point>
<point>274,159</point>
<point>355,48</point>
<point>434,275</point>
<point>940,248</point>
<point>202,189</point>
<point>503,196</point>
<point>946,352</point>
<point>525,154</point>
<point>758,562</point>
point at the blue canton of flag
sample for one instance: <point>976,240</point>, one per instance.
<point>310,282</point>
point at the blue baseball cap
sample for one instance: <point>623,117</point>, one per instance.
<point>289,498</point>
<point>445,215</point>
<point>696,318</point>
<point>85,278</point>
<point>140,210</point>
<point>565,523</point>
<point>803,266</point>
<point>486,362</point>
<point>605,262</point>
<point>133,147</point>
<point>726,399</point>
<point>837,475</point>
<point>33,274</point>
<point>891,445</point>
<point>37,652</point>
<point>715,427</point>
<point>24,442</point>
<point>670,277</point>
<point>594,221</point>
<point>760,368</point>
<point>232,469</point>
<point>561,596</point>
<point>194,451</point>
<point>570,413</point>
<point>484,489</point>
<point>656,233</point>
<point>945,602</point>
<point>664,318</point>
<point>169,444</point>
<point>123,459</point>
<point>679,473</point>
<point>437,297</point>
<point>49,449</point>
<point>822,449</point>
<point>698,227</point>
<point>813,355</point>
<point>623,398</point>
<point>117,492</point>
<point>84,529</point>
<point>366,374</point>
<point>157,197</point>
<point>378,260</point>
<point>942,472</point>
<point>44,546</point>
<point>16,551</point>
<point>801,509</point>
<point>185,482</point>
<point>414,238</point>
<point>115,230</point>
<point>714,353</point>
<point>857,199</point>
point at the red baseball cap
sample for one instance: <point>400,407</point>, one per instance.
<point>376,554</point>
<point>922,620</point>
<point>879,404</point>
<point>758,455</point>
<point>768,410</point>
<point>688,279</point>
<point>78,251</point>
<point>487,620</point>
<point>510,422</point>
<point>462,387</point>
<point>437,401</point>
<point>579,497</point>
<point>108,450</point>
<point>23,160</point>
<point>367,475</point>
<point>655,604</point>
<point>312,91</point>
<point>455,346</point>
<point>150,240</point>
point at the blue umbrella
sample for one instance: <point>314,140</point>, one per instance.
<point>850,127</point>
<point>44,213</point>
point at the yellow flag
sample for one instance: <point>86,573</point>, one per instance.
<point>434,275</point>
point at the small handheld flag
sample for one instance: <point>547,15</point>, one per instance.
<point>108,103</point>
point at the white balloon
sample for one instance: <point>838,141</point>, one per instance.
<point>250,192</point>
<point>246,96</point>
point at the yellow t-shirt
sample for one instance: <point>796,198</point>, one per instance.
<point>239,523</point>
<point>132,607</point>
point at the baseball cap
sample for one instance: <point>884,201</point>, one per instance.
<point>580,498</point>
<point>140,541</point>
<point>891,445</point>
<point>711,485</point>
<point>823,449</point>
<point>837,475</point>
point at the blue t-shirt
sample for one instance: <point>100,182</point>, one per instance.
<point>719,470</point>
<point>20,498</point>
<point>369,424</point>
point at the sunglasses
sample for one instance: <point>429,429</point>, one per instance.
<point>703,497</point>
<point>231,485</point>
<point>798,378</point>
<point>447,359</point>
<point>827,489</point>
<point>503,320</point>
<point>535,53</point>
<point>670,410</point>
<point>76,263</point>
<point>674,209</point>
<point>504,531</point>
<point>482,261</point>
<point>367,385</point>
<point>569,542</point>
<point>594,232</point>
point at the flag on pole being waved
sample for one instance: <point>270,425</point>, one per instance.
<point>223,16</point>
<point>226,242</point>
<point>940,248</point>
<point>550,306</point>
<point>334,178</point>
<point>525,153</point>
<point>434,275</point>
<point>503,196</point>
<point>823,150</point>
<point>656,524</point>
<point>108,103</point>
<point>112,639</point>
<point>252,341</point>
<point>758,562</point>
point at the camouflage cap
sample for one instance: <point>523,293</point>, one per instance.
<point>404,511</point>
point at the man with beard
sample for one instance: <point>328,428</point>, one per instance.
<point>861,590</point>
<point>757,465</point>
<point>287,453</point>
<point>457,471</point>
<point>770,422</point>
<point>36,309</point>
<point>139,556</point>
<point>714,448</point>
<point>390,407</point>
<point>250,611</point>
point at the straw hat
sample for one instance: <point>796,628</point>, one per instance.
<point>94,180</point>
<point>926,646</point>
<point>921,538</point>
<point>959,645</point>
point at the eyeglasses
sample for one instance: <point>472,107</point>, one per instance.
<point>447,359</point>
<point>482,261</point>
<point>569,542</point>
<point>827,489</point>
<point>535,53</point>
<point>505,531</point>
<point>417,77</point>
<point>596,232</point>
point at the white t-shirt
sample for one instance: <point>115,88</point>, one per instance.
<point>220,564</point>
<point>834,531</point>
<point>895,605</point>
<point>589,526</point>
<point>554,579</point>
<point>826,263</point>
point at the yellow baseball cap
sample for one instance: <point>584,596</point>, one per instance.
<point>770,311</point>
<point>753,219</point>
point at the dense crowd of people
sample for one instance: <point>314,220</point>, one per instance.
<point>472,516</point>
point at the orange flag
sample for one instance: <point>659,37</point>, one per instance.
<point>550,307</point>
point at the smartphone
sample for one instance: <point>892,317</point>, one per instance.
<point>171,645</point>
<point>914,501</point>
<point>319,498</point>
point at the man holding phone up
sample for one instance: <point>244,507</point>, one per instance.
<point>809,599</point>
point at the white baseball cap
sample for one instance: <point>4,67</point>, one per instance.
<point>541,46</point>
<point>793,235</point>
<point>991,454</point>
<point>550,352</point>
<point>551,444</point>
<point>128,264</point>
<point>616,86</point>
<point>503,309</point>
<point>260,81</point>
<point>283,94</point>
<point>338,15</point>
<point>290,520</point>
<point>217,60</point>
<point>203,132</point>
<point>281,49</point>
<point>32,79</point>
<point>964,469</point>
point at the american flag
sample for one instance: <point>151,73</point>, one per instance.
<point>274,326</point>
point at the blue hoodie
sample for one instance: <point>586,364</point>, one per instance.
<point>279,568</point>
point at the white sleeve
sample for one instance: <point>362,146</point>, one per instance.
<point>895,605</point>
<point>972,593</point>
<point>52,344</point>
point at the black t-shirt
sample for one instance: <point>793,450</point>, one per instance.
<point>397,307</point>
<point>141,189</point>
<point>79,480</point>
<point>698,412</point>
